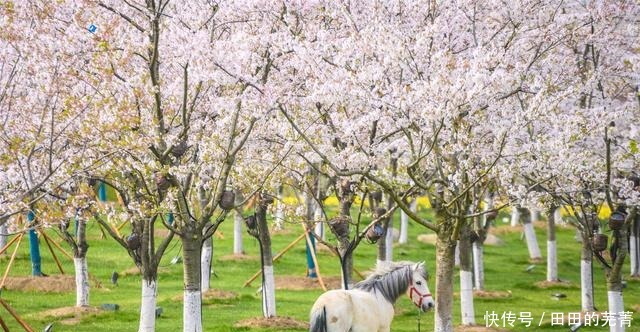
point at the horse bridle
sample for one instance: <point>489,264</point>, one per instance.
<point>417,292</point>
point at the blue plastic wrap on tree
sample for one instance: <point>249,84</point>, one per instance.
<point>170,218</point>
<point>102,192</point>
<point>34,248</point>
<point>311,266</point>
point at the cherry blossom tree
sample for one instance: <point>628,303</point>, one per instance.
<point>444,84</point>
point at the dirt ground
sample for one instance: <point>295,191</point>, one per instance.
<point>273,323</point>
<point>70,315</point>
<point>53,284</point>
<point>301,283</point>
<point>549,284</point>
<point>212,294</point>
<point>485,294</point>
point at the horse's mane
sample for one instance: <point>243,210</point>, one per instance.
<point>391,279</point>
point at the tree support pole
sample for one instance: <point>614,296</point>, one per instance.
<point>5,328</point>
<point>22,323</point>
<point>58,246</point>
<point>314,257</point>
<point>13,257</point>
<point>5,248</point>
<point>55,258</point>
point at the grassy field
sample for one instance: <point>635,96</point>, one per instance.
<point>505,271</point>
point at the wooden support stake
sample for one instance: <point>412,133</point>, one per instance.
<point>13,313</point>
<point>120,227</point>
<point>359,274</point>
<point>5,328</point>
<point>55,258</point>
<point>59,247</point>
<point>275,258</point>
<point>6,247</point>
<point>314,257</point>
<point>13,257</point>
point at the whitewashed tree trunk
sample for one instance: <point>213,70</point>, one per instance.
<point>586,285</point>
<point>616,306</point>
<point>532,241</point>
<point>3,235</point>
<point>466,275</point>
<point>478,265</point>
<point>404,222</point>
<point>205,265</point>
<point>318,216</point>
<point>557,216</point>
<point>82,281</point>
<point>515,217</point>
<point>389,241</point>
<point>456,259</point>
<point>238,221</point>
<point>279,217</point>
<point>466,297</point>
<point>552,255</point>
<point>148,306</point>
<point>269,293</point>
<point>192,311</point>
<point>552,261</point>
<point>634,246</point>
<point>535,215</point>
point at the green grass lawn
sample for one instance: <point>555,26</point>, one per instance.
<point>505,271</point>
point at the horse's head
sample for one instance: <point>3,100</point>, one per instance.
<point>418,290</point>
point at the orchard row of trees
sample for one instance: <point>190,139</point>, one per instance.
<point>189,109</point>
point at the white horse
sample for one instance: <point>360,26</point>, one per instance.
<point>368,307</point>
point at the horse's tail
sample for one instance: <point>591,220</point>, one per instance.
<point>319,320</point>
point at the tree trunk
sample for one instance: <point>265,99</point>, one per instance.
<point>344,243</point>
<point>552,258</point>
<point>530,235</point>
<point>535,215</point>
<point>478,264</point>
<point>445,249</point>
<point>34,247</point>
<point>192,305</point>
<point>82,281</point>
<point>80,264</point>
<point>309,214</point>
<point>515,216</point>
<point>318,217</point>
<point>148,306</point>
<point>614,279</point>
<point>385,243</point>
<point>404,222</point>
<point>616,306</point>
<point>586,276</point>
<point>268,283</point>
<point>205,264</point>
<point>3,234</point>
<point>238,221</point>
<point>279,217</point>
<point>482,225</point>
<point>634,245</point>
<point>557,215</point>
<point>456,254</point>
<point>466,276</point>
